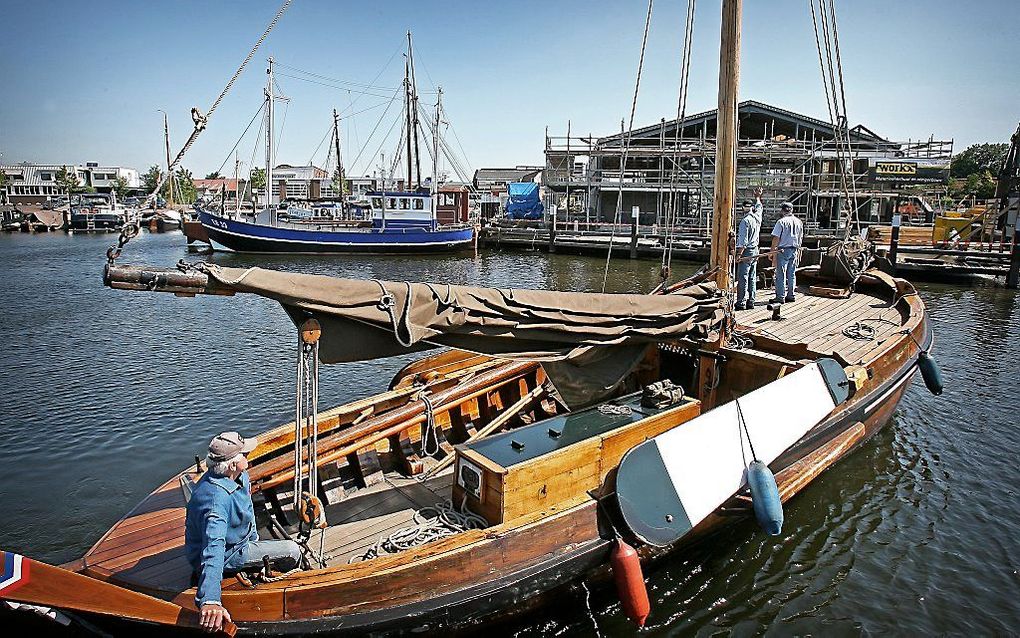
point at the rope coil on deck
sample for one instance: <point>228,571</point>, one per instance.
<point>445,521</point>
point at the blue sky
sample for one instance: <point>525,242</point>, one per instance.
<point>83,81</point>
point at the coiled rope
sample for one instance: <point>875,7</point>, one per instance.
<point>431,524</point>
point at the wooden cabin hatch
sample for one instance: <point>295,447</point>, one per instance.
<point>556,460</point>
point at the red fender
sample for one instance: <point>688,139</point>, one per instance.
<point>630,582</point>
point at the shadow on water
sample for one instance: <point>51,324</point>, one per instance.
<point>107,393</point>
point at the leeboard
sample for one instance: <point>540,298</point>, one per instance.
<point>670,483</point>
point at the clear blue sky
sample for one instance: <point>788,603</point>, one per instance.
<point>83,80</point>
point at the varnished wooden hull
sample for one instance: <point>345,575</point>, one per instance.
<point>479,576</point>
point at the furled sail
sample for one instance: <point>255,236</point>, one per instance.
<point>588,342</point>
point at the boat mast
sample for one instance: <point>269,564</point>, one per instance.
<point>407,111</point>
<point>339,163</point>
<point>726,141</point>
<point>412,82</point>
<point>237,181</point>
<point>435,156</point>
<point>166,138</point>
<point>269,135</point>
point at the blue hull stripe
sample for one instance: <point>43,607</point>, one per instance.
<point>222,230</point>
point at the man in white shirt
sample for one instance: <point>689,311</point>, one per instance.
<point>787,236</point>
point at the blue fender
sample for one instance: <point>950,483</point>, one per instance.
<point>768,507</point>
<point>930,372</point>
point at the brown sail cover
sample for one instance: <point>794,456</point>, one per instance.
<point>588,342</point>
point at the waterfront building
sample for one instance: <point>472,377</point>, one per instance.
<point>791,156</point>
<point>35,183</point>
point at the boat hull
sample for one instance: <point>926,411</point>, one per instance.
<point>241,236</point>
<point>510,594</point>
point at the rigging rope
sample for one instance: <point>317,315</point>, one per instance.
<point>831,67</point>
<point>681,115</point>
<point>625,141</point>
<point>202,120</point>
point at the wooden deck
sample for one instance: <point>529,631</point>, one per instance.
<point>146,548</point>
<point>818,323</point>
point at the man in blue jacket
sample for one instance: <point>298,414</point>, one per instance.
<point>219,530</point>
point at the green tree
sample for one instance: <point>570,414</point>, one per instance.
<point>257,183</point>
<point>151,178</point>
<point>68,181</point>
<point>120,187</point>
<point>977,158</point>
<point>3,179</point>
<point>214,175</point>
<point>186,186</point>
<point>980,184</point>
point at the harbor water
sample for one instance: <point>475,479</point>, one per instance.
<point>108,393</point>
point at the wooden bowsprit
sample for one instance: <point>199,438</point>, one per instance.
<point>25,580</point>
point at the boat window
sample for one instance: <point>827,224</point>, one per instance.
<point>419,204</point>
<point>392,203</point>
<point>377,202</point>
<point>404,204</point>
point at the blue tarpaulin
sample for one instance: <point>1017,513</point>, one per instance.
<point>523,202</point>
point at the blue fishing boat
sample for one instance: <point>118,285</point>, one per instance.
<point>406,219</point>
<point>399,222</point>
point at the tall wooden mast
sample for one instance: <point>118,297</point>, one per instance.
<point>339,161</point>
<point>726,141</point>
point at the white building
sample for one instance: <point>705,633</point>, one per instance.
<point>35,183</point>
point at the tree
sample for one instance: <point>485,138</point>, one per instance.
<point>120,187</point>
<point>151,178</point>
<point>981,185</point>
<point>186,186</point>
<point>214,175</point>
<point>68,181</point>
<point>979,157</point>
<point>257,183</point>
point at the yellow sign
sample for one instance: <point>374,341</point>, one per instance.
<point>895,168</point>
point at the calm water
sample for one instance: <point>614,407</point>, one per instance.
<point>107,393</point>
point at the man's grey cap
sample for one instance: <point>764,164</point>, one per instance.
<point>786,206</point>
<point>227,445</point>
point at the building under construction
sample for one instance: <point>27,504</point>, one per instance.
<point>791,157</point>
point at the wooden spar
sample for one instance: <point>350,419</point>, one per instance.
<point>493,425</point>
<point>185,283</point>
<point>726,141</point>
<point>390,423</point>
<point>49,586</point>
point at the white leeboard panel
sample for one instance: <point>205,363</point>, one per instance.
<point>706,458</point>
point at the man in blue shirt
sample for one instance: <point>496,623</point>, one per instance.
<point>787,236</point>
<point>747,252</point>
<point>219,529</point>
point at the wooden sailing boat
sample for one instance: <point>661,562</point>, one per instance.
<point>542,495</point>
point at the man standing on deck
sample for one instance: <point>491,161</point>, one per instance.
<point>747,252</point>
<point>787,236</point>
<point>219,530</point>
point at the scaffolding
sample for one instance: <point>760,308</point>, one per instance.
<point>801,168</point>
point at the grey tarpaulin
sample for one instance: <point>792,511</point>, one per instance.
<point>589,341</point>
